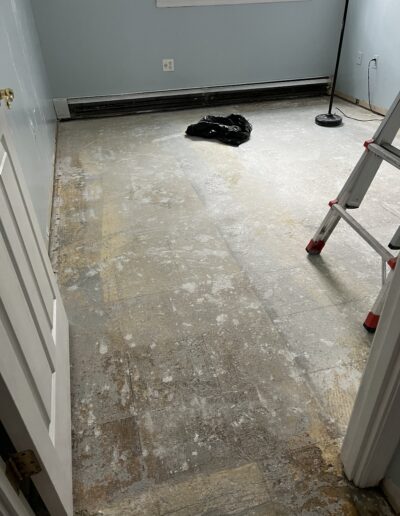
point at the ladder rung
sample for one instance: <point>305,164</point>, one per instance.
<point>386,152</point>
<point>377,246</point>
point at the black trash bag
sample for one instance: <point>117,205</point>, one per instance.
<point>232,130</point>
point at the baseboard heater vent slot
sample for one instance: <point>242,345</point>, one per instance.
<point>129,106</point>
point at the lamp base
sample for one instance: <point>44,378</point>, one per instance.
<point>328,120</point>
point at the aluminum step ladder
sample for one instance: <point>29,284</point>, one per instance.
<point>377,150</point>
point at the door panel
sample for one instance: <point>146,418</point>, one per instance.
<point>17,242</point>
<point>34,341</point>
<point>23,222</point>
<point>22,334</point>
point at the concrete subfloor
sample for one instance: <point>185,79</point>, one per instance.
<point>214,364</point>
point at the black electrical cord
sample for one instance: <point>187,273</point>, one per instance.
<point>369,101</point>
<point>359,119</point>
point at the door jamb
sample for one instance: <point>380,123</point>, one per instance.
<point>373,433</point>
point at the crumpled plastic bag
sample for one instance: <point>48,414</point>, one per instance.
<point>232,130</point>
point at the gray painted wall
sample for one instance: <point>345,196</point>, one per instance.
<point>102,47</point>
<point>32,118</point>
<point>373,28</point>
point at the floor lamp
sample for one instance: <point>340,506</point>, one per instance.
<point>329,119</point>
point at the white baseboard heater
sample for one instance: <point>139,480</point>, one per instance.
<point>170,100</point>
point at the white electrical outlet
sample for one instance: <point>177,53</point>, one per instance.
<point>359,59</point>
<point>168,65</point>
<point>374,63</point>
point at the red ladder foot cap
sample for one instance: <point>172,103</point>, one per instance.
<point>315,247</point>
<point>371,322</point>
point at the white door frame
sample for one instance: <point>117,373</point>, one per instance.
<point>373,433</point>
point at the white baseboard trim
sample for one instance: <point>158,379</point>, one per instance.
<point>359,102</point>
<point>61,108</point>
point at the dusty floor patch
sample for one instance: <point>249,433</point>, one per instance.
<point>214,365</point>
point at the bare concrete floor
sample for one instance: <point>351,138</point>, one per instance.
<point>214,364</point>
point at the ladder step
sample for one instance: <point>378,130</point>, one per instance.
<point>387,152</point>
<point>372,241</point>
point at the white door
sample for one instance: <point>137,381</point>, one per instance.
<point>34,342</point>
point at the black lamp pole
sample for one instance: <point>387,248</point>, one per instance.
<point>329,119</point>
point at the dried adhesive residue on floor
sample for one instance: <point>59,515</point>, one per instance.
<point>214,365</point>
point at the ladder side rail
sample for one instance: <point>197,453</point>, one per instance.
<point>390,125</point>
<point>373,317</point>
<point>360,180</point>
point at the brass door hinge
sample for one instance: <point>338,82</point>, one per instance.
<point>20,466</point>
<point>7,94</point>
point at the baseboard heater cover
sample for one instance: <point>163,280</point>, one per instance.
<point>93,107</point>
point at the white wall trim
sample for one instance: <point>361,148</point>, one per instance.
<point>202,3</point>
<point>359,102</point>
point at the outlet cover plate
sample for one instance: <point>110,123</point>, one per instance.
<point>168,65</point>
